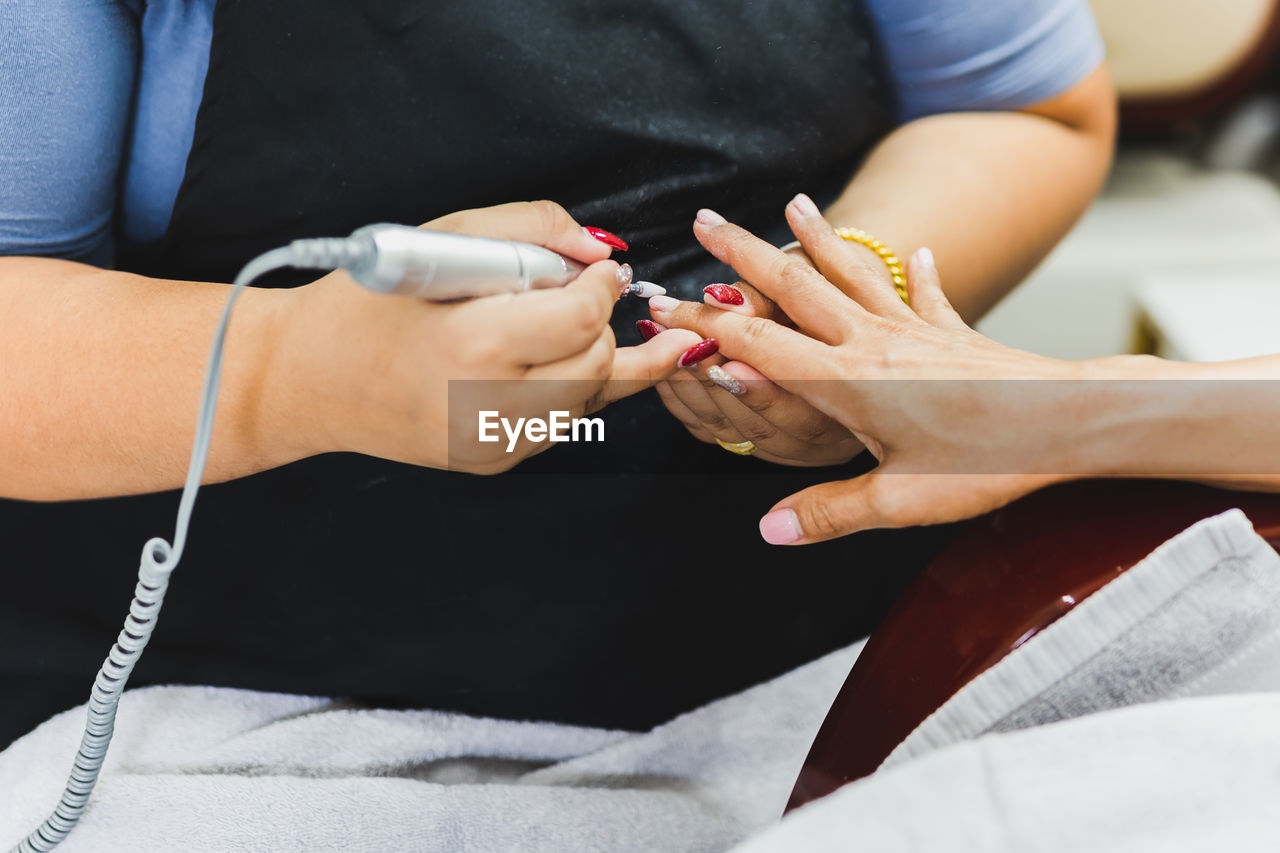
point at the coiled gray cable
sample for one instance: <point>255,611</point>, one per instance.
<point>159,558</point>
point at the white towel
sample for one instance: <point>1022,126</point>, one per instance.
<point>203,769</point>
<point>1187,776</point>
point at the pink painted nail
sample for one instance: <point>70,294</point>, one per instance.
<point>698,352</point>
<point>781,527</point>
<point>725,294</point>
<point>649,329</point>
<point>710,217</point>
<point>663,304</point>
<point>805,206</point>
<point>606,237</point>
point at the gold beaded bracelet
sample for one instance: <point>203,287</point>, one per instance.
<point>857,235</point>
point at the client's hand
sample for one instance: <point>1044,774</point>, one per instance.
<point>910,383</point>
<point>378,374</point>
<point>733,402</point>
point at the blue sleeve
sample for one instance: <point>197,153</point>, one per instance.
<point>952,55</point>
<point>67,71</point>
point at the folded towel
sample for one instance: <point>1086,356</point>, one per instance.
<point>1200,616</point>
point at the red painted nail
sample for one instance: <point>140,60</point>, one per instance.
<point>725,294</point>
<point>606,237</point>
<point>649,329</point>
<point>698,352</point>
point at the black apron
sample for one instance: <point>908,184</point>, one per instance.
<point>615,584</point>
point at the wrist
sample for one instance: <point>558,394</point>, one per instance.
<point>351,378</point>
<point>300,396</point>
<point>1119,411</point>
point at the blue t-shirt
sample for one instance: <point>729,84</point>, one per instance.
<point>98,98</point>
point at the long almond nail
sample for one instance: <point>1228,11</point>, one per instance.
<point>725,380</point>
<point>781,527</point>
<point>606,237</point>
<point>725,294</point>
<point>710,217</point>
<point>649,329</point>
<point>698,352</point>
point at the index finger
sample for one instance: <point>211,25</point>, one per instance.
<point>543,223</point>
<point>743,298</point>
<point>813,303</point>
<point>776,351</point>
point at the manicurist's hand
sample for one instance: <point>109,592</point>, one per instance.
<point>914,384</point>
<point>105,368</point>
<point>405,379</point>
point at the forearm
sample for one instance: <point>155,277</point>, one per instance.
<point>1146,417</point>
<point>989,193</point>
<point>102,381</point>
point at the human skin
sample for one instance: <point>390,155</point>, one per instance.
<point>989,193</point>
<point>103,369</point>
<point>904,381</point>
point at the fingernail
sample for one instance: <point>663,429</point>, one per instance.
<point>606,237</point>
<point>781,527</point>
<point>721,377</point>
<point>646,289</point>
<point>649,329</point>
<point>725,294</point>
<point>923,259</point>
<point>710,217</point>
<point>663,304</point>
<point>698,352</point>
<point>624,275</point>
<point>805,206</point>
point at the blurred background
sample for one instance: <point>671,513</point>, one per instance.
<point>1181,254</point>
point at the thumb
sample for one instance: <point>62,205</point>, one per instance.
<point>640,367</point>
<point>826,511</point>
